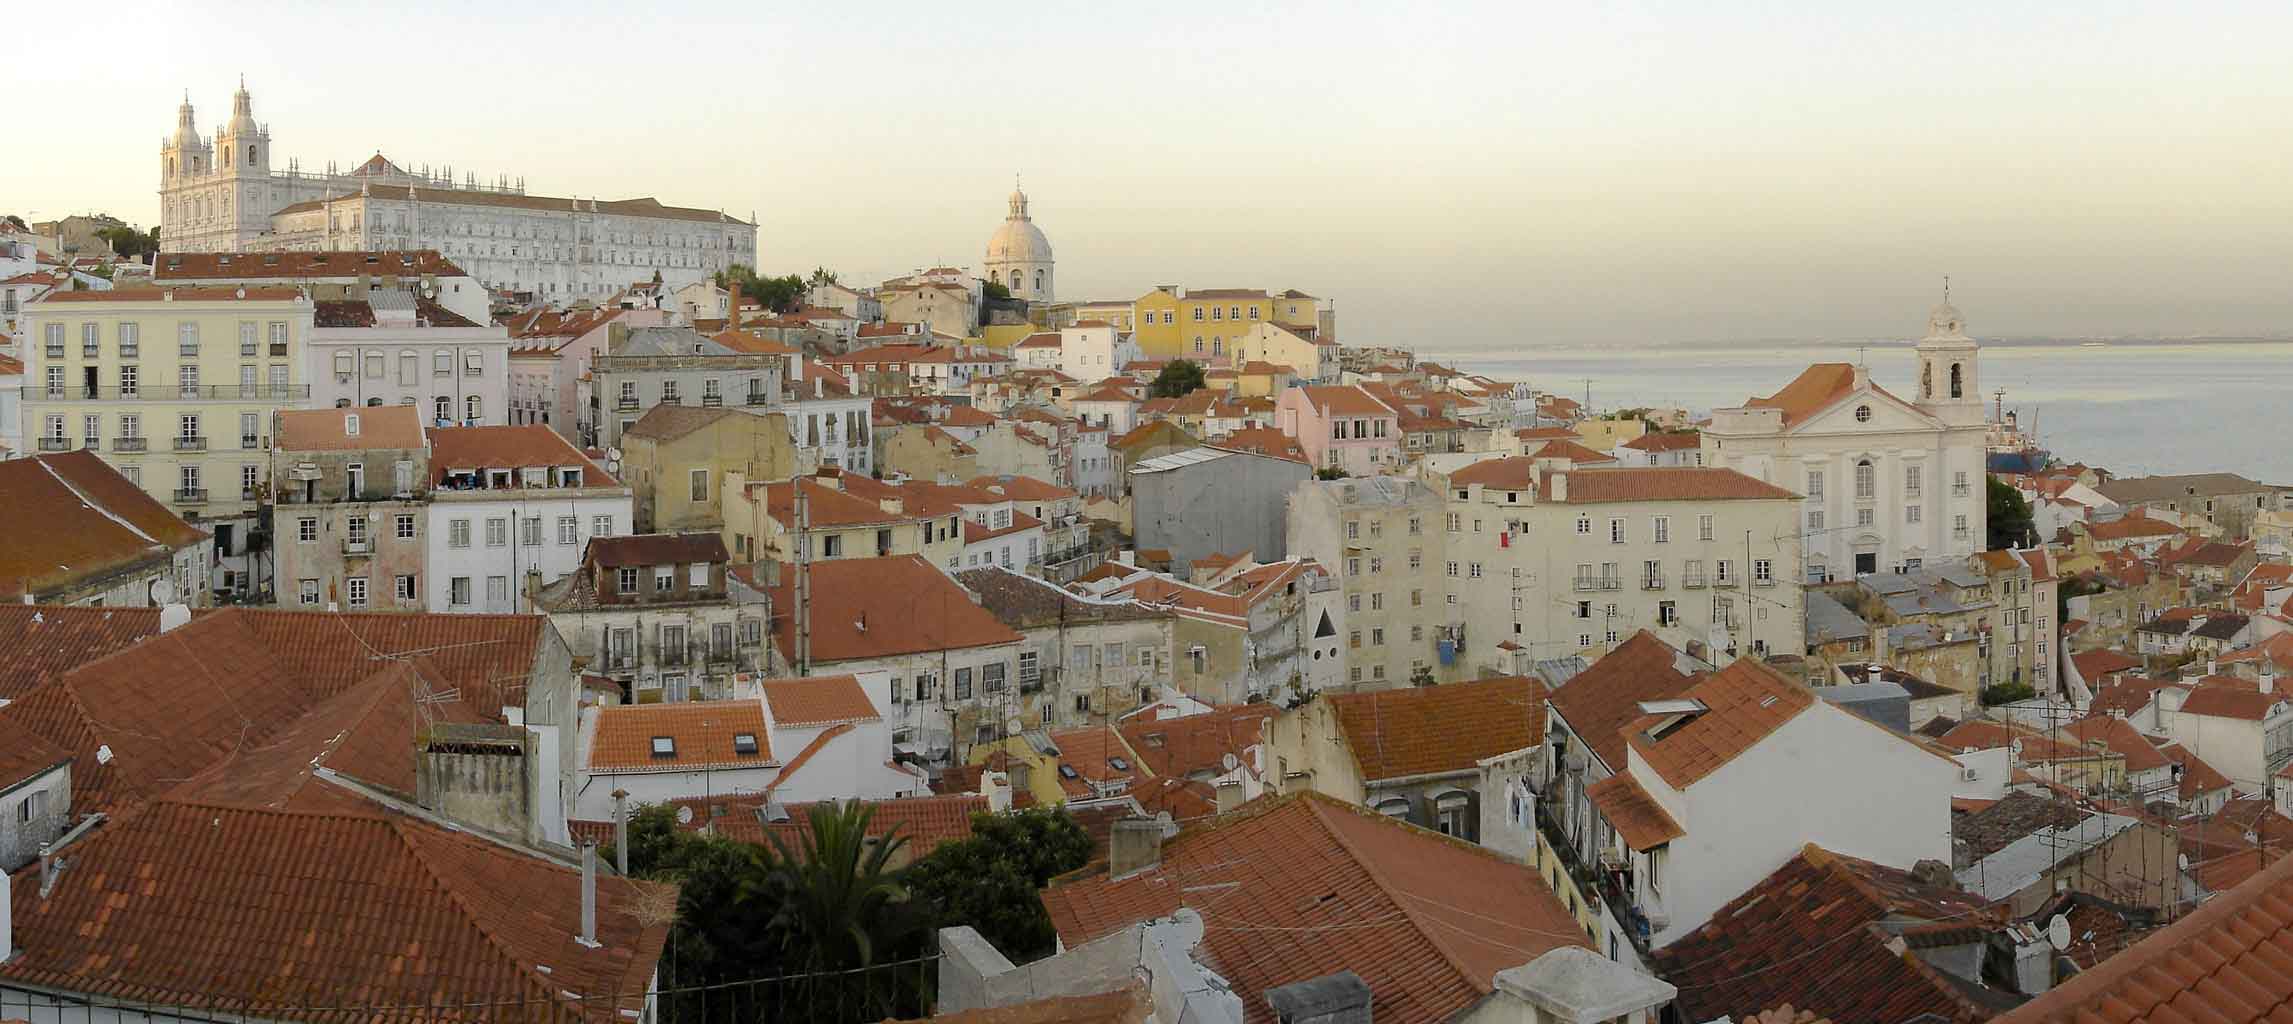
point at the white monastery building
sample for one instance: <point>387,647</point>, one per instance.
<point>1889,484</point>
<point>225,194</point>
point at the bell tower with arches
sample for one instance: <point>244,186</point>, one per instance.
<point>1950,384</point>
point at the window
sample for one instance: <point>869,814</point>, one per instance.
<point>404,587</point>
<point>458,591</point>
<point>1473,570</point>
<point>1030,670</point>
<point>1724,571</point>
<point>569,529</point>
<point>529,531</point>
<point>1452,570</point>
<point>497,532</point>
<point>1959,483</point>
<point>354,529</point>
<point>1911,481</point>
<point>664,578</point>
<point>1416,526</point>
<point>1862,414</point>
<point>1704,527</point>
<point>1866,480</point>
<point>1652,575</point>
<point>1763,571</point>
<point>1456,523</point>
<point>458,533</point>
<point>306,592</point>
<point>1616,530</point>
<point>601,526</point>
<point>1815,483</point>
<point>1662,525</point>
<point>130,340</point>
<point>306,528</point>
<point>991,677</point>
<point>187,338</point>
<point>1910,513</point>
<point>403,527</point>
<point>963,684</point>
<point>1862,517</point>
<point>1353,530</point>
<point>1959,525</point>
<point>1815,519</point>
<point>497,591</point>
<point>1453,816</point>
<point>355,587</point>
<point>626,577</point>
<point>1667,614</point>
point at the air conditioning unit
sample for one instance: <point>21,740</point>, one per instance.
<point>1967,775</point>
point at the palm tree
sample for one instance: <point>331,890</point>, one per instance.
<point>842,906</point>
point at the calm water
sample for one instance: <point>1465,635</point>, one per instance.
<point>2133,407</point>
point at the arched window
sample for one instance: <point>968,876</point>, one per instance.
<point>250,153</point>
<point>445,409</point>
<point>1926,380</point>
<point>1038,281</point>
<point>1015,279</point>
<point>1958,381</point>
<point>342,403</point>
<point>475,406</point>
<point>374,401</point>
<point>1396,807</point>
<point>226,158</point>
<point>1866,481</point>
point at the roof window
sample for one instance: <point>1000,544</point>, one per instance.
<point>1119,764</point>
<point>744,743</point>
<point>664,746</point>
<point>1067,771</point>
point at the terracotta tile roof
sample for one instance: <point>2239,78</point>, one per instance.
<point>275,913</point>
<point>818,700</point>
<point>2130,526</point>
<point>295,266</point>
<point>657,549</point>
<point>1547,433</point>
<point>1514,473</point>
<point>1020,488</point>
<point>1663,442</point>
<point>216,293</point>
<point>70,517</point>
<point>1425,730</point>
<point>387,426</point>
<point>1743,704</point>
<point>508,447</point>
<point>1344,401</point>
<point>368,732</point>
<point>1023,602</point>
<point>1827,906</point>
<point>879,607</point>
<point>1298,887</point>
<point>2121,737</point>
<point>24,754</point>
<point>1638,819</point>
<point>2221,962</point>
<point>1814,390</point>
<point>10,366</point>
<point>1668,483</point>
<point>752,343</point>
<point>1091,753</point>
<point>2101,661</point>
<point>2228,702</point>
<point>1262,441</point>
<point>1577,455</point>
<point>702,732</point>
<point>927,821</point>
<point>2127,695</point>
<point>1130,1004</point>
<point>1199,743</point>
<point>2037,747</point>
<point>1601,701</point>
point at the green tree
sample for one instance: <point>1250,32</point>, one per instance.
<point>1331,473</point>
<point>820,276</point>
<point>2006,693</point>
<point>994,290</point>
<point>2009,520</point>
<point>992,880</point>
<point>1178,378</point>
<point>1422,677</point>
<point>127,241</point>
<point>777,294</point>
<point>838,905</point>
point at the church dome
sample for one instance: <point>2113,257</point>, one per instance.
<point>1944,321</point>
<point>1018,240</point>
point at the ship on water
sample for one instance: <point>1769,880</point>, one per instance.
<point>2013,449</point>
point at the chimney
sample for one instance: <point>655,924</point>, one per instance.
<point>1134,846</point>
<point>819,387</point>
<point>588,936</point>
<point>2268,675</point>
<point>1559,485</point>
<point>172,615</point>
<point>47,868</point>
<point>621,832</point>
<point>1229,796</point>
<point>1341,998</point>
<point>1876,673</point>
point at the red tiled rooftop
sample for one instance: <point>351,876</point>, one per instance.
<point>1448,728</point>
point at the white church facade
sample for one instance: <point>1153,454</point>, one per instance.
<point>1889,483</point>
<point>227,194</point>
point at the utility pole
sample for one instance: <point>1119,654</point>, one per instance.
<point>801,587</point>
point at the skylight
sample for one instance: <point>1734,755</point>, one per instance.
<point>664,746</point>
<point>744,743</point>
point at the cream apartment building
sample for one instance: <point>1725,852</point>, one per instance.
<point>1541,560</point>
<point>175,387</point>
<point>1382,536</point>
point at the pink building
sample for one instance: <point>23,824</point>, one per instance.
<point>1342,427</point>
<point>550,357</point>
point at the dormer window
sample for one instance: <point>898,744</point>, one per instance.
<point>568,477</point>
<point>664,578</point>
<point>664,746</point>
<point>744,743</point>
<point>628,579</point>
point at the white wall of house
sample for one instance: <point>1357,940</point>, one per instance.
<point>494,575</point>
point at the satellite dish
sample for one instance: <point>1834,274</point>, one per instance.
<point>1230,761</point>
<point>684,815</point>
<point>2182,860</point>
<point>162,591</point>
<point>2058,932</point>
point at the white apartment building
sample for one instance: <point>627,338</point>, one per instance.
<point>1094,350</point>
<point>392,349</point>
<point>1890,484</point>
<point>510,510</point>
<point>1555,561</point>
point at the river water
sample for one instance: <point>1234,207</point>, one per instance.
<point>2133,407</point>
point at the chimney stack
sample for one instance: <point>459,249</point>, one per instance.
<point>1134,846</point>
<point>47,868</point>
<point>588,936</point>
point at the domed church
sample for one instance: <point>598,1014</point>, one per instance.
<point>1018,256</point>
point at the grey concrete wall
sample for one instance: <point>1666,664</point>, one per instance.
<point>1224,506</point>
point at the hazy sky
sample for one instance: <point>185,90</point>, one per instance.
<point>1453,175</point>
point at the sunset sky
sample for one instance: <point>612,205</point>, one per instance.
<point>1454,176</point>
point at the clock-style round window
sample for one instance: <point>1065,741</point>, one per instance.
<point>1862,414</point>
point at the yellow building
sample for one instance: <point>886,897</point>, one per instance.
<point>1294,346</point>
<point>1001,337</point>
<point>676,457</point>
<point>1210,323</point>
<point>175,387</point>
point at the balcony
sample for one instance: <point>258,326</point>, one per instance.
<point>250,441</point>
<point>191,495</point>
<point>1597,583</point>
<point>758,398</point>
<point>1652,583</point>
<point>90,351</point>
<point>55,444</point>
<point>194,392</point>
<point>190,444</point>
<point>1694,580</point>
<point>360,546</point>
<point>130,444</point>
<point>711,401</point>
<point>625,404</point>
<point>278,348</point>
<point>1608,885</point>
